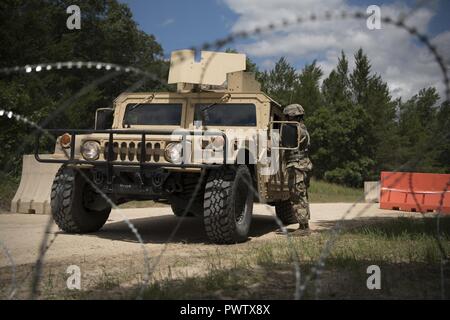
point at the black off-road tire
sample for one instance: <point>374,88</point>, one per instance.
<point>285,212</point>
<point>228,204</point>
<point>67,204</point>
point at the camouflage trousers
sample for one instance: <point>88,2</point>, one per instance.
<point>298,183</point>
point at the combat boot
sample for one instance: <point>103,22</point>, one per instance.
<point>303,230</point>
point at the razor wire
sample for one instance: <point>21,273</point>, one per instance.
<point>271,27</point>
<point>357,15</point>
<point>43,245</point>
<point>11,115</point>
<point>98,66</point>
<point>317,270</point>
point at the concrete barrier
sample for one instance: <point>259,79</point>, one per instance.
<point>33,194</point>
<point>415,191</point>
<point>372,191</point>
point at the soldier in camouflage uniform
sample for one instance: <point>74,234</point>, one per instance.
<point>298,166</point>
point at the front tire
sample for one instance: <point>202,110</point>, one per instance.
<point>71,199</point>
<point>228,204</point>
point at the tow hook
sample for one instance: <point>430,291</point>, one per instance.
<point>98,177</point>
<point>157,180</point>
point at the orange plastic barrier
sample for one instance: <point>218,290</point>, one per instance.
<point>416,192</point>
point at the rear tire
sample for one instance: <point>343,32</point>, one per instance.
<point>70,193</point>
<point>228,204</point>
<point>285,212</point>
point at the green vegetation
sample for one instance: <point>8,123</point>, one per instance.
<point>357,129</point>
<point>35,32</point>
<point>8,187</point>
<point>322,191</point>
<point>405,249</point>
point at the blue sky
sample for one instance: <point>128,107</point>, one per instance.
<point>180,24</point>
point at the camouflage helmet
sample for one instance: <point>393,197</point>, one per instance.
<point>294,110</point>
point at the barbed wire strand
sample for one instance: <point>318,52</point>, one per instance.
<point>412,31</point>
<point>43,250</point>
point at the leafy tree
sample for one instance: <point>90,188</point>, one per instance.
<point>280,82</point>
<point>33,32</point>
<point>336,87</point>
<point>423,136</point>
<point>307,88</point>
<point>359,79</point>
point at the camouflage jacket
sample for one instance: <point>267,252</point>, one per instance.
<point>299,158</point>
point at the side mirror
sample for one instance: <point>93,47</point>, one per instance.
<point>104,118</point>
<point>289,134</point>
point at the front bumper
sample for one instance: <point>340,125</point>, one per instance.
<point>110,167</point>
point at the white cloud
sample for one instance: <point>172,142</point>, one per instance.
<point>167,22</point>
<point>442,42</point>
<point>398,57</point>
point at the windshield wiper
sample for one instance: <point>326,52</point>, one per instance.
<point>137,105</point>
<point>149,98</point>
<point>204,111</point>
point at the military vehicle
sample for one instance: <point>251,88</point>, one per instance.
<point>143,149</point>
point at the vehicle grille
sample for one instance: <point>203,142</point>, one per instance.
<point>131,151</point>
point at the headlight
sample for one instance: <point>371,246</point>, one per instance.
<point>218,142</point>
<point>174,152</point>
<point>90,150</point>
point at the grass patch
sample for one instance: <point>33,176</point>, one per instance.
<point>405,249</point>
<point>321,191</point>
<point>8,187</point>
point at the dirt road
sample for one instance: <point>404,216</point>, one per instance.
<point>22,233</point>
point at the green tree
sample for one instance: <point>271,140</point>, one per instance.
<point>359,78</point>
<point>423,134</point>
<point>341,130</point>
<point>33,32</point>
<point>280,82</point>
<point>307,88</point>
<point>336,88</point>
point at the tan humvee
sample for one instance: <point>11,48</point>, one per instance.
<point>206,149</point>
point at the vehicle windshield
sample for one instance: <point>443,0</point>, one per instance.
<point>148,114</point>
<point>227,114</point>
